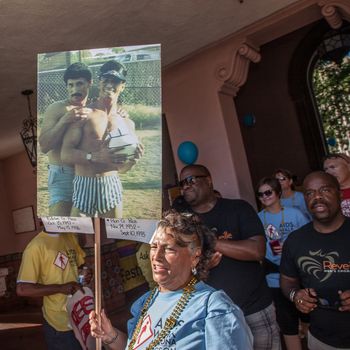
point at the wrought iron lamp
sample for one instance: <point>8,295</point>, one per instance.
<point>28,132</point>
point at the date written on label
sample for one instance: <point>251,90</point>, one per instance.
<point>130,229</point>
<point>67,224</point>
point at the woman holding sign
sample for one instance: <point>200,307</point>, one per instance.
<point>182,312</point>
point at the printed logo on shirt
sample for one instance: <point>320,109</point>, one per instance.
<point>287,227</point>
<point>145,332</point>
<point>336,267</point>
<point>169,342</point>
<point>271,232</point>
<point>322,265</point>
<point>61,260</point>
<point>225,235</point>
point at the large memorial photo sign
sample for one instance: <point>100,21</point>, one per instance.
<point>99,133</point>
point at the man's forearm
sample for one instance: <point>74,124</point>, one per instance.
<point>104,158</point>
<point>246,250</point>
<point>51,138</point>
<point>40,290</point>
<point>37,289</point>
<point>117,342</point>
<point>289,286</point>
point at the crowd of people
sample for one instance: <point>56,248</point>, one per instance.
<point>265,272</point>
<point>304,251</point>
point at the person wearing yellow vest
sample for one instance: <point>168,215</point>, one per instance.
<point>49,269</point>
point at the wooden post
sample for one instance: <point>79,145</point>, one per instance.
<point>97,247</point>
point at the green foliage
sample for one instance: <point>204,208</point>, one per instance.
<point>331,85</point>
<point>144,117</point>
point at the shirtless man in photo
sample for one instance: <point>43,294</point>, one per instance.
<point>58,117</point>
<point>97,187</point>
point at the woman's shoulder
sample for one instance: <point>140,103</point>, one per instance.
<point>217,299</point>
<point>299,194</point>
<point>138,303</point>
<point>204,290</point>
<point>292,210</point>
<point>296,214</point>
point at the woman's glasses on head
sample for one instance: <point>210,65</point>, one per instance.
<point>266,193</point>
<point>190,180</point>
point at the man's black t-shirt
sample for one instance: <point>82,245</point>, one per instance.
<point>243,281</point>
<point>322,261</point>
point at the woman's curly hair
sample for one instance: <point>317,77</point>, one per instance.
<point>184,225</point>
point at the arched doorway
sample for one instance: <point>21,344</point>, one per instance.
<point>329,82</point>
<point>305,60</point>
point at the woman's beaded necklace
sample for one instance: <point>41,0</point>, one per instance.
<point>170,321</point>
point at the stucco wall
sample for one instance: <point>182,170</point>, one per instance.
<point>7,236</point>
<point>18,190</point>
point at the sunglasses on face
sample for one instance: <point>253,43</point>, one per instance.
<point>190,180</point>
<point>266,193</point>
<point>281,178</point>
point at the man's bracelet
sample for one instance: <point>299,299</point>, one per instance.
<point>292,294</point>
<point>113,340</point>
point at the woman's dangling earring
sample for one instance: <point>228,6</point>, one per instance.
<point>194,271</point>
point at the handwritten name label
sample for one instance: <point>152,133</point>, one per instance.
<point>67,224</point>
<point>131,229</point>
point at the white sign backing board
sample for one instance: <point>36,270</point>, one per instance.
<point>131,229</point>
<point>68,224</point>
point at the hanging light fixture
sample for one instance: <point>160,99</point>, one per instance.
<point>28,132</point>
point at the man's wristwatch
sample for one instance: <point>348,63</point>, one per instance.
<point>89,156</point>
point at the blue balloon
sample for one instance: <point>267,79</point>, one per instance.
<point>249,119</point>
<point>187,152</point>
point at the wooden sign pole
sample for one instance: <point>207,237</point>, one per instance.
<point>98,274</point>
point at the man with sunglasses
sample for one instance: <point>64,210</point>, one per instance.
<point>240,247</point>
<point>338,165</point>
<point>315,265</point>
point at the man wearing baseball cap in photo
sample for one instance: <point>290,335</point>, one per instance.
<point>103,147</point>
<point>114,69</point>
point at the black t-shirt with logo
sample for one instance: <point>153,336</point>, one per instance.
<point>243,281</point>
<point>322,261</point>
